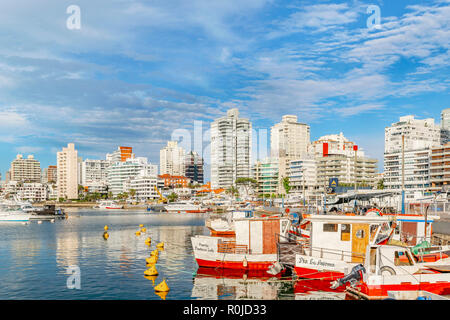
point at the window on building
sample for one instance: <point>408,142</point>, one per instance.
<point>330,227</point>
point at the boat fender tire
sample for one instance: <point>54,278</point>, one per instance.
<point>387,269</point>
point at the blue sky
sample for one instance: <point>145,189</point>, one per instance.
<point>138,69</point>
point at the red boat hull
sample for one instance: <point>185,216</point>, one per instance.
<point>307,273</point>
<point>381,291</point>
<point>260,265</point>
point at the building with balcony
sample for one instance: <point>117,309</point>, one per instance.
<point>265,172</point>
<point>231,149</point>
<point>122,172</point>
<point>440,168</point>
<point>289,140</point>
<point>67,172</point>
<point>25,169</point>
<point>120,155</point>
<point>171,159</point>
<point>174,181</point>
<point>193,167</point>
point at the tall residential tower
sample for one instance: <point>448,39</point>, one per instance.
<point>231,141</point>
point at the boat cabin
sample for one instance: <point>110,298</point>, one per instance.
<point>260,235</point>
<point>346,237</point>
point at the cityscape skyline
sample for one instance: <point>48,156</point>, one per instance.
<point>317,60</point>
<point>380,162</point>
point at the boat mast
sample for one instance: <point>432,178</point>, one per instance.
<point>403,173</point>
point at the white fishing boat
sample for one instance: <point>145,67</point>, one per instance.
<point>394,268</point>
<point>254,246</point>
<point>108,204</point>
<point>225,227</point>
<point>8,214</point>
<point>184,207</point>
<point>337,243</point>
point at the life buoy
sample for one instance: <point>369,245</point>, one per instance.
<point>388,269</point>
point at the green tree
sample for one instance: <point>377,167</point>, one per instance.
<point>172,197</point>
<point>286,185</point>
<point>246,182</point>
<point>132,193</point>
<point>233,191</point>
<point>380,184</point>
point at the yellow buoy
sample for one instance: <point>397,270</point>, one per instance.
<point>161,294</point>
<point>160,245</point>
<point>162,287</point>
<point>138,233</point>
<point>154,253</point>
<point>141,225</point>
<point>151,260</point>
<point>151,271</point>
<point>106,228</point>
<point>151,278</point>
<point>105,235</point>
<point>143,229</point>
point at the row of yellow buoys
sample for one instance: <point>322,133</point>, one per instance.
<point>151,273</point>
<point>105,234</point>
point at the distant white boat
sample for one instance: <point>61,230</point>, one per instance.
<point>108,204</point>
<point>185,207</point>
<point>8,214</point>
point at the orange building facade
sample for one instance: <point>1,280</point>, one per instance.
<point>174,181</point>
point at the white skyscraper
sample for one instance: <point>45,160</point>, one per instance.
<point>121,173</point>
<point>289,140</point>
<point>231,141</point>
<point>171,159</point>
<point>67,172</point>
<point>25,170</point>
<point>419,136</point>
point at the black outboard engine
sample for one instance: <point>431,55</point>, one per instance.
<point>354,276</point>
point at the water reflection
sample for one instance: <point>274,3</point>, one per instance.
<point>34,259</point>
<point>312,289</point>
<point>220,284</point>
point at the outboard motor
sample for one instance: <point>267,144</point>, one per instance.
<point>275,268</point>
<point>354,276</point>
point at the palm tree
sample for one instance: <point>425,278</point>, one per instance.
<point>132,193</point>
<point>172,197</point>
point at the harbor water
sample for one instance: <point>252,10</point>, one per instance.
<point>38,259</point>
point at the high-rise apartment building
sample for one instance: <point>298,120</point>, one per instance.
<point>289,140</point>
<point>120,155</point>
<point>231,149</point>
<point>67,172</point>
<point>445,119</point>
<point>440,168</point>
<point>337,157</point>
<point>414,138</point>
<point>418,134</point>
<point>193,167</point>
<point>25,170</point>
<point>52,174</point>
<point>171,159</point>
<point>120,174</point>
<point>94,175</point>
<point>265,173</point>
<point>303,174</point>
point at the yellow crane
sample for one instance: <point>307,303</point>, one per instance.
<point>161,198</point>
